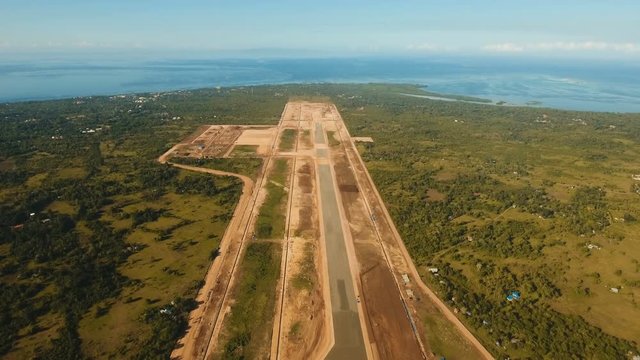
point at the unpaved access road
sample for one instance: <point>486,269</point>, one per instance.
<point>195,343</point>
<point>390,243</point>
<point>357,304</point>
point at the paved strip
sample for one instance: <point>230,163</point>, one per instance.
<point>349,341</point>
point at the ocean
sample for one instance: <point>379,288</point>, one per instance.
<point>564,84</point>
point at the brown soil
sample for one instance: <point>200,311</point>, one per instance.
<point>377,256</point>
<point>263,138</point>
<point>397,256</point>
<point>385,312</point>
<point>435,195</point>
<point>303,328</point>
<point>389,327</point>
<point>199,131</point>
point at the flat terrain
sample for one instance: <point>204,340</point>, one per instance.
<point>261,220</point>
<point>349,301</point>
<point>111,261</point>
<point>491,200</point>
<point>488,200</point>
<point>347,331</point>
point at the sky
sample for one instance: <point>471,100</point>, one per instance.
<point>551,28</point>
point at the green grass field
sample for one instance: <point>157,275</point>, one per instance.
<point>287,139</point>
<point>161,268</point>
<point>247,329</point>
<point>244,151</point>
<point>333,141</point>
<point>271,220</point>
<point>503,199</point>
<point>498,198</point>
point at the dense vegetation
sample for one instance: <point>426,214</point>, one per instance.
<point>84,206</point>
<point>287,140</point>
<point>251,319</point>
<point>499,199</point>
<point>502,199</point>
<point>270,223</point>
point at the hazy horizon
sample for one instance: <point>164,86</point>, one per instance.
<point>565,84</point>
<point>543,28</point>
<point>501,50</point>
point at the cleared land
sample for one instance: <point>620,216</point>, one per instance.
<point>301,328</point>
<point>501,199</point>
<point>488,200</point>
<point>330,281</point>
<point>218,327</point>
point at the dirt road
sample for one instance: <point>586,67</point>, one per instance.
<point>188,347</point>
<point>194,344</point>
<point>394,246</point>
<point>347,279</point>
<point>205,322</point>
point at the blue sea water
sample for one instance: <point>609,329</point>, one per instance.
<point>596,86</point>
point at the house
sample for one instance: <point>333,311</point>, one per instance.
<point>410,293</point>
<point>515,295</point>
<point>615,290</point>
<point>636,177</point>
<point>405,278</point>
<point>433,270</point>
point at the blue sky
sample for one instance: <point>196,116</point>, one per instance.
<point>580,28</point>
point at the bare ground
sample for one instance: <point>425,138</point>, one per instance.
<point>376,253</point>
<point>303,328</point>
<point>398,257</point>
<point>391,333</point>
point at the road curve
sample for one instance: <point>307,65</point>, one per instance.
<point>189,346</point>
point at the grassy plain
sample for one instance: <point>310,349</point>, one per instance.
<point>287,139</point>
<point>502,199</point>
<point>170,257</point>
<point>271,220</point>
<point>115,237</point>
<point>244,151</point>
<point>332,138</point>
<point>497,198</point>
<point>247,331</point>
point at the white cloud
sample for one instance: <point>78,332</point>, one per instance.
<point>505,47</point>
<point>431,47</point>
<point>423,47</point>
<point>564,46</point>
